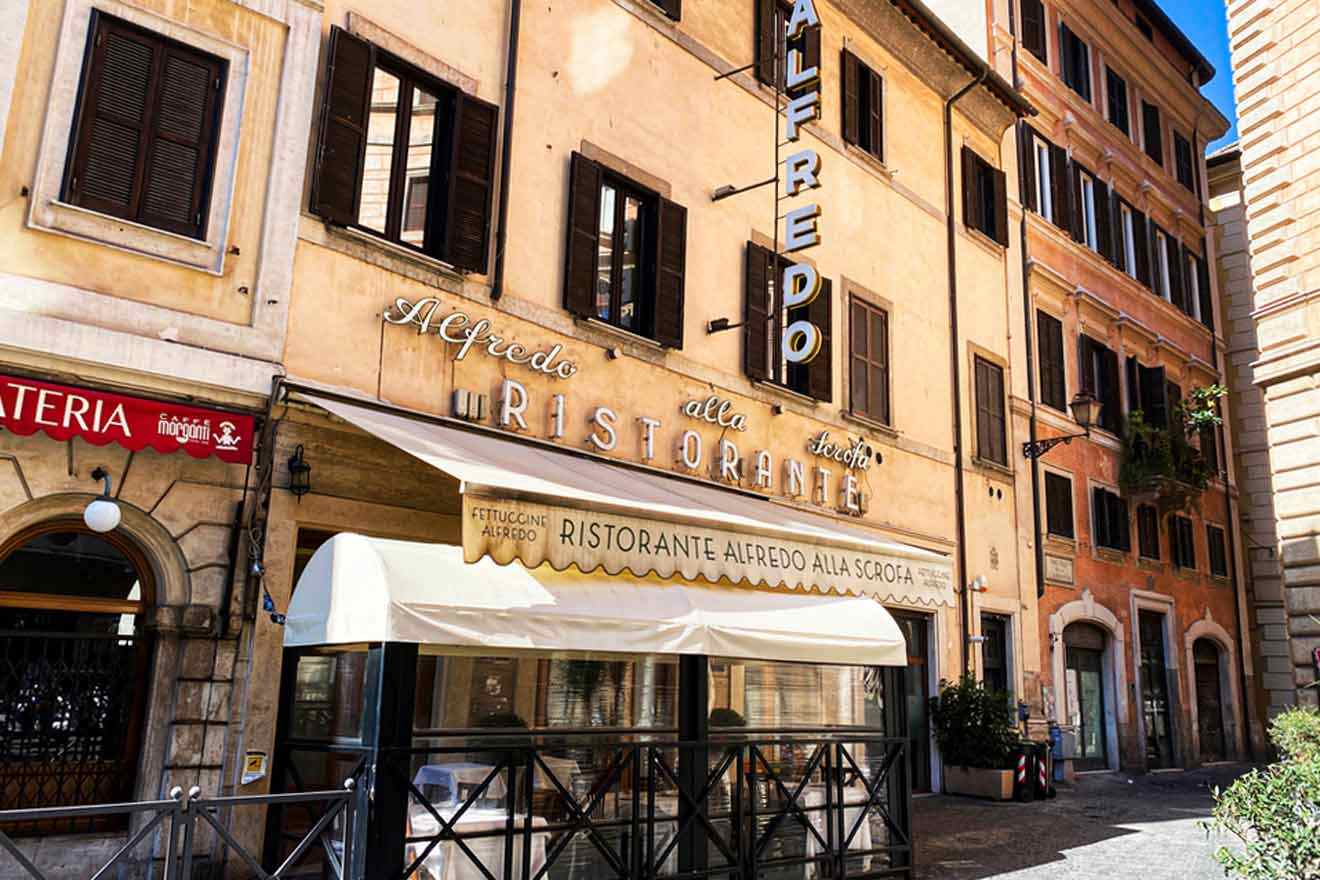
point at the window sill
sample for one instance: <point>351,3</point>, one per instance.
<point>873,424</point>
<point>1148,564</point>
<point>625,335</point>
<point>127,235</point>
<point>872,161</point>
<point>796,396</point>
<point>977,236</point>
<point>1109,554</point>
<point>417,258</point>
<point>995,466</point>
<point>1061,542</point>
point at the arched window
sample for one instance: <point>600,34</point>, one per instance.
<point>74,663</point>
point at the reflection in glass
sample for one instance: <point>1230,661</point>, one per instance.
<point>327,696</point>
<point>421,137</point>
<point>376,172</point>
<point>631,281</point>
<point>605,252</point>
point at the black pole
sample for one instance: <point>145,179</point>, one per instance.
<point>693,758</point>
<point>506,148</point>
<point>389,691</point>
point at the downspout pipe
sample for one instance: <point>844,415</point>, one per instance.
<point>960,502</point>
<point>506,148</point>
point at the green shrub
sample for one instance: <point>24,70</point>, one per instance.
<point>1274,813</point>
<point>974,726</point>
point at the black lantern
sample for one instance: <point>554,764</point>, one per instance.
<point>300,474</point>
<point>1086,412</point>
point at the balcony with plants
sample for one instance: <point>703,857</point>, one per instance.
<point>1160,463</point>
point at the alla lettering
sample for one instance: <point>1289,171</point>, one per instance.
<point>715,411</point>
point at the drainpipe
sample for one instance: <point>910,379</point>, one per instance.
<point>506,148</point>
<point>960,506</point>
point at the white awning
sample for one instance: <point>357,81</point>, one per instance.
<point>357,589</point>
<point>758,540</point>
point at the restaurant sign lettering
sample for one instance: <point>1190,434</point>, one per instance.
<point>534,534</point>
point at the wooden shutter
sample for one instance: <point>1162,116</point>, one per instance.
<point>145,136</point>
<point>767,41</point>
<point>758,275</point>
<point>811,52</point>
<point>580,255</point>
<point>1099,518</point>
<point>1059,505</point>
<point>1140,237</point>
<point>1153,395</point>
<point>671,259</point>
<point>1001,206</point>
<point>1078,216</point>
<point>1027,162</point>
<point>337,177</point>
<point>1109,392</point>
<point>1120,527</point>
<point>820,372</point>
<point>990,426</point>
<point>1104,232</point>
<point>672,8</point>
<point>970,190</point>
<point>1049,334</point>
<point>1203,288</point>
<point>1033,28</point>
<point>471,183</point>
<point>1151,132</point>
<point>982,403</point>
<point>852,69</point>
<point>1153,246</point>
<point>876,97</point>
<point>1177,287</point>
<point>1061,192</point>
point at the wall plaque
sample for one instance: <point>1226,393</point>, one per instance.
<point>1059,569</point>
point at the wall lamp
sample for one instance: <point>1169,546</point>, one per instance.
<point>719,325</point>
<point>300,474</point>
<point>1086,412</point>
<point>103,514</point>
<point>729,190</point>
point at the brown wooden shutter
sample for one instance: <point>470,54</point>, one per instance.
<point>1099,518</point>
<point>1104,233</point>
<point>811,56</point>
<point>758,275</point>
<point>1076,218</point>
<point>767,41</point>
<point>971,203</point>
<point>672,8</point>
<point>471,183</point>
<point>852,69</point>
<point>1001,206</point>
<point>1152,133</point>
<point>1203,288</point>
<point>877,114</point>
<point>1062,193</point>
<point>671,259</point>
<point>1177,284</point>
<point>580,255</point>
<point>1153,395</point>
<point>820,372</point>
<point>1152,244</point>
<point>1110,413</point>
<point>337,177</point>
<point>1049,335</point>
<point>1027,162</point>
<point>1033,28</point>
<point>1140,237</point>
<point>983,415</point>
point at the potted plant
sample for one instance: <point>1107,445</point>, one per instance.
<point>977,736</point>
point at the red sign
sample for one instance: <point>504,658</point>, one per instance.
<point>62,411</point>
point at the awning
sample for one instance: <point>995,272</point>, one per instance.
<point>357,589</point>
<point>535,504</point>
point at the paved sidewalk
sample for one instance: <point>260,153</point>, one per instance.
<point>1110,826</point>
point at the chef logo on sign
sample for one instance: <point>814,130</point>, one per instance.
<point>227,439</point>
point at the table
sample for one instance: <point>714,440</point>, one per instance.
<point>453,776</point>
<point>446,861</point>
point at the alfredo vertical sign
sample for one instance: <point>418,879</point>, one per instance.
<point>801,282</point>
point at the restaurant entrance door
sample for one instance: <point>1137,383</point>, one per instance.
<point>916,694</point>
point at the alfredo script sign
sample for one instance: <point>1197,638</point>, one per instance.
<point>535,533</point>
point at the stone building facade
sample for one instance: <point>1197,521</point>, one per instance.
<point>1272,46</point>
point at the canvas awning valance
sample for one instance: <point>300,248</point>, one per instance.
<point>538,505</point>
<point>357,589</point>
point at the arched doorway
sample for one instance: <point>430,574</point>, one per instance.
<point>1084,689</point>
<point>74,661</point>
<point>1209,701</point>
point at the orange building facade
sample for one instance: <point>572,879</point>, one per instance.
<point>1133,525</point>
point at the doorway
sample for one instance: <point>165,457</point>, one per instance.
<point>916,691</point>
<point>1085,692</point>
<point>994,652</point>
<point>1155,691</point>
<point>1209,701</point>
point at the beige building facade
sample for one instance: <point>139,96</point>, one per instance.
<point>1270,46</point>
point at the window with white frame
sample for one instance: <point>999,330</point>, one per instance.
<point>1088,211</point>
<point>1044,183</point>
<point>1162,258</point>
<point>1127,228</point>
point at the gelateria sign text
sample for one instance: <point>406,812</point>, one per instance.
<point>537,534</point>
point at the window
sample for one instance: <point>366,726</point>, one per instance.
<point>144,139</point>
<point>1049,344</point>
<point>1214,541</point>
<point>1127,246</point>
<point>772,48</point>
<point>764,322</point>
<point>1209,437</point>
<point>863,106</point>
<point>991,428</point>
<point>868,386</point>
<point>1148,531</point>
<point>1059,505</point>
<point>1148,391</point>
<point>1204,296</point>
<point>1088,220</point>
<point>388,132</point>
<point>626,254</point>
<point>671,8</point>
<point>985,205</point>
<point>1099,375</point>
<point>1151,133</point>
<point>1163,285</point>
<point>1033,29</point>
<point>1144,26</point>
<point>1075,62</point>
<point>1173,261</point>
<point>994,652</point>
<point>1109,521</point>
<point>1043,185</point>
<point>1116,97</point>
<point>1182,160</point>
<point>1182,543</point>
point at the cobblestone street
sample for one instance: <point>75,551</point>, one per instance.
<point>1111,826</point>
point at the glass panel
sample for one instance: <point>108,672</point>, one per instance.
<point>327,696</point>
<point>875,406</point>
<point>379,162</point>
<point>70,563</point>
<point>605,253</point>
<point>1044,193</point>
<point>1155,689</point>
<point>630,283</point>
<point>758,694</point>
<point>421,139</point>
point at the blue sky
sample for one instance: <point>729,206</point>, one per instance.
<point>1205,24</point>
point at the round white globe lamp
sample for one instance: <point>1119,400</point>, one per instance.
<point>103,514</point>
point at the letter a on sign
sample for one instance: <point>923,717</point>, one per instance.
<point>804,16</point>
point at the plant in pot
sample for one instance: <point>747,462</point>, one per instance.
<point>977,736</point>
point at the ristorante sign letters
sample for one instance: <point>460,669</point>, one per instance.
<point>63,412</point>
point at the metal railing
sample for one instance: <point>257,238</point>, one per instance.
<point>164,841</point>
